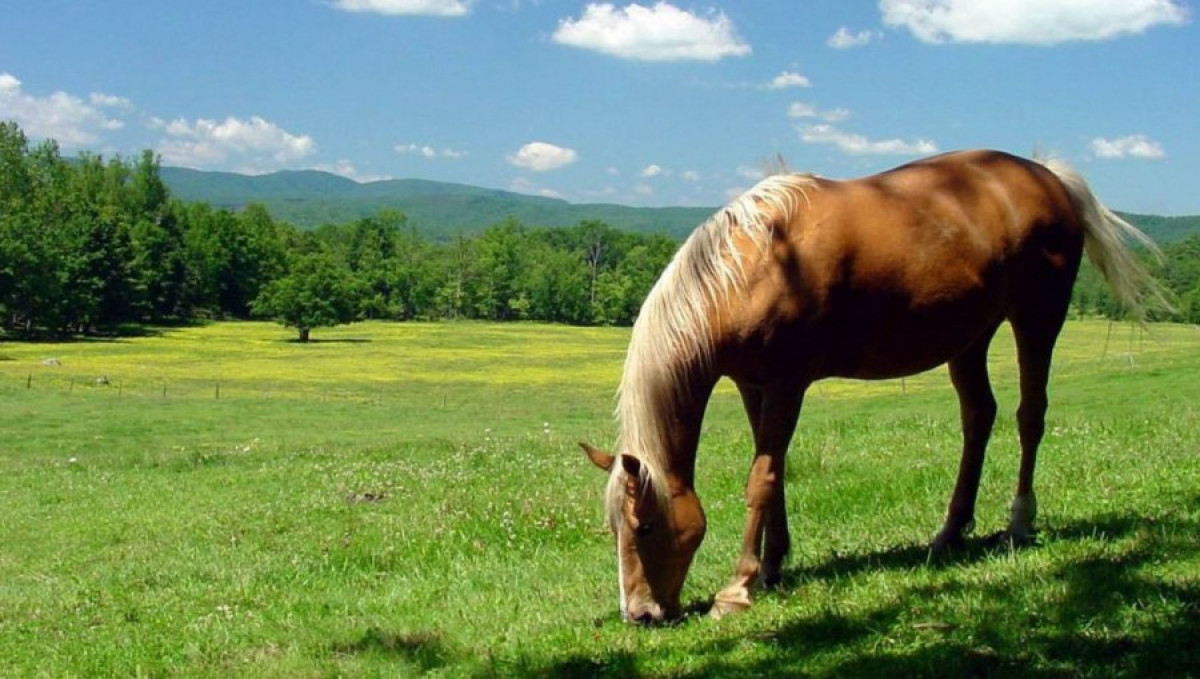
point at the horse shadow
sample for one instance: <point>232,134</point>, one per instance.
<point>423,651</point>
<point>1085,628</point>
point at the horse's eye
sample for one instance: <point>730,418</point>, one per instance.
<point>643,529</point>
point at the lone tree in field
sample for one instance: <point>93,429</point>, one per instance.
<point>318,291</point>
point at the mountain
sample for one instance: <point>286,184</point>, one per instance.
<point>310,198</point>
<point>1164,230</point>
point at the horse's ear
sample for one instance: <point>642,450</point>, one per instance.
<point>598,457</point>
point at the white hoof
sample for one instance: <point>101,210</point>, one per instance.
<point>1023,514</point>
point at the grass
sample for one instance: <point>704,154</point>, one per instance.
<point>407,499</point>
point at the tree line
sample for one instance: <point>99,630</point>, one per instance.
<point>94,245</point>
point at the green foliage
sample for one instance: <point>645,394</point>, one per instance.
<point>92,245</point>
<point>1165,230</point>
<point>317,291</point>
<point>1178,273</point>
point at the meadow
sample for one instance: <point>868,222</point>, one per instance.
<point>408,499</point>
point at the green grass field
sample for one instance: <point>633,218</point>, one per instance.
<point>403,499</point>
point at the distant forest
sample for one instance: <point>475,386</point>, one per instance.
<point>93,245</point>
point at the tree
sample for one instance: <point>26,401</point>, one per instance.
<point>158,267</point>
<point>231,256</point>
<point>318,291</point>
<point>500,258</point>
<point>371,245</point>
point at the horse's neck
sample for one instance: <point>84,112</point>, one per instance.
<point>675,412</point>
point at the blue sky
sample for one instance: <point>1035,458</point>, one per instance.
<point>650,103</point>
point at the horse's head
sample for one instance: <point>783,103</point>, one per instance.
<point>657,535</point>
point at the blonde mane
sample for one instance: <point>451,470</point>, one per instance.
<point>672,332</point>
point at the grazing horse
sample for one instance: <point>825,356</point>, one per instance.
<point>804,278</point>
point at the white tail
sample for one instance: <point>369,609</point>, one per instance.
<point>1107,240</point>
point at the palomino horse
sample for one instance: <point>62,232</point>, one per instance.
<point>804,278</point>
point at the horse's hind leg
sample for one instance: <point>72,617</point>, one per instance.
<point>977,408</point>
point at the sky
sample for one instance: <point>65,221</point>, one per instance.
<point>678,102</point>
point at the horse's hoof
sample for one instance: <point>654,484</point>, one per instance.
<point>1013,539</point>
<point>732,599</point>
<point>945,542</point>
<point>720,608</point>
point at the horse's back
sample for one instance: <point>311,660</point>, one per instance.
<point>898,272</point>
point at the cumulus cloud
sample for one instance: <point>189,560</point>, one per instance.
<point>662,32</point>
<point>752,173</point>
<point>442,8</point>
<point>1037,22</point>
<point>426,151</point>
<point>858,145</point>
<point>800,109</point>
<point>788,79</point>
<point>523,185</point>
<point>346,169</point>
<point>101,100</point>
<point>539,156</point>
<point>254,143</point>
<point>67,119</point>
<point>651,171</point>
<point>1132,146</point>
<point>843,39</point>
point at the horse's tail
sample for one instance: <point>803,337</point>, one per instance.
<point>1107,240</point>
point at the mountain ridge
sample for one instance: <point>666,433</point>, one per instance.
<point>310,198</point>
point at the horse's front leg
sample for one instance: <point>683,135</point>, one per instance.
<point>765,540</point>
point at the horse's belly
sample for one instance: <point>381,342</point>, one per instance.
<point>902,349</point>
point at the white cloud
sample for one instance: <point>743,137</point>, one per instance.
<point>1132,146</point>
<point>346,169</point>
<point>754,174</point>
<point>788,79</point>
<point>442,8</point>
<point>542,157</point>
<point>843,39</point>
<point>1037,22</point>
<point>62,117</point>
<point>254,142</point>
<point>858,145</point>
<point>102,100</point>
<point>651,171</point>
<point>659,33</point>
<point>523,185</point>
<point>800,109</point>
<point>734,192</point>
<point>691,176</point>
<point>426,151</point>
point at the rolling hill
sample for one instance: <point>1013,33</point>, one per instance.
<point>310,198</point>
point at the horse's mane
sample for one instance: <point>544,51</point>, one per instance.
<point>673,333</point>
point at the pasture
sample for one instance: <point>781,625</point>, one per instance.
<point>407,499</point>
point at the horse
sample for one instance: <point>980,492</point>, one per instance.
<point>804,278</point>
